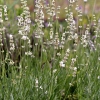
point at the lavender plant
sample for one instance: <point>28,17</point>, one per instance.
<point>42,58</point>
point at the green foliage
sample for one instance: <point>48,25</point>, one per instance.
<point>40,77</point>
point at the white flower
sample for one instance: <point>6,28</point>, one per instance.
<point>49,24</point>
<point>71,1</point>
<point>20,32</point>
<point>54,70</point>
<point>46,92</point>
<point>23,46</point>
<point>11,37</point>
<point>75,36</point>
<point>70,84</point>
<point>29,53</point>
<point>1,21</point>
<point>99,58</point>
<point>37,36</point>
<point>36,82</point>
<point>98,77</point>
<point>41,87</point>
<point>85,0</point>
<point>27,28</point>
<point>11,62</point>
<point>73,60</point>
<point>62,64</point>
<point>75,68</point>
<point>24,37</point>
<point>58,54</point>
<point>68,50</point>
<point>12,48</point>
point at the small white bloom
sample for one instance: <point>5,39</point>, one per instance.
<point>29,53</point>
<point>98,77</point>
<point>45,92</point>
<point>59,54</point>
<point>68,50</point>
<point>75,68</point>
<point>62,64</point>
<point>41,87</point>
<point>99,58</point>
<point>24,38</point>
<point>12,48</point>
<point>71,1</point>
<point>85,0</point>
<point>70,84</point>
<point>11,62</point>
<point>20,32</point>
<point>54,70</point>
<point>11,36</point>
<point>36,82</point>
<point>75,36</point>
<point>49,24</point>
<point>23,46</point>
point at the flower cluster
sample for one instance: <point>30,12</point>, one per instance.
<point>1,19</point>
<point>72,67</point>
<point>1,44</point>
<point>71,27</point>
<point>56,41</point>
<point>58,12</point>
<point>51,33</point>
<point>51,13</point>
<point>1,27</point>
<point>51,9</point>
<point>64,60</point>
<point>39,18</point>
<point>56,35</point>
<point>24,23</point>
<point>62,40</point>
<point>12,46</point>
<point>24,19</point>
<point>5,12</point>
<point>36,83</point>
<point>85,38</point>
<point>85,0</point>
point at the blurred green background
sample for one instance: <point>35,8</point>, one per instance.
<point>92,6</point>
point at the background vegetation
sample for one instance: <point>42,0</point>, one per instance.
<point>50,59</point>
